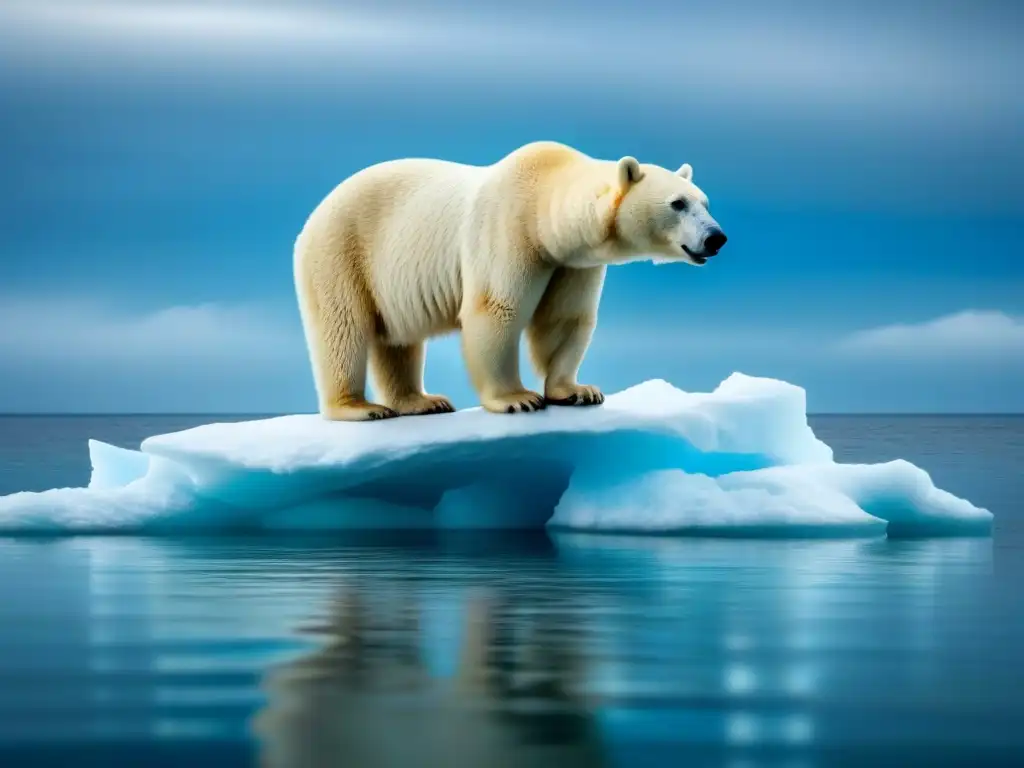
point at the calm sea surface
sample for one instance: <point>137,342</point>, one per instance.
<point>494,650</point>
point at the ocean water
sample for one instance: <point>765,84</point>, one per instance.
<point>498,650</point>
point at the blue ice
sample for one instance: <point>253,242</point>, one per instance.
<point>653,459</point>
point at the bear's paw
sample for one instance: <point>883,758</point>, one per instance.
<point>416,405</point>
<point>523,401</point>
<point>573,394</point>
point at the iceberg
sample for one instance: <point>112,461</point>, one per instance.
<point>738,461</point>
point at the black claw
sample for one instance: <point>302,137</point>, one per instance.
<point>510,409</point>
<point>577,398</point>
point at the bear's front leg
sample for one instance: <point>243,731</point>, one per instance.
<point>490,347</point>
<point>560,332</point>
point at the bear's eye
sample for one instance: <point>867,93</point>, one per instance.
<point>680,204</point>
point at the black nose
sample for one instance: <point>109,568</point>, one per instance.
<point>714,241</point>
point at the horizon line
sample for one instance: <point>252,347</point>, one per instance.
<point>274,414</point>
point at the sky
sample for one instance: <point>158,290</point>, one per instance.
<point>158,158</point>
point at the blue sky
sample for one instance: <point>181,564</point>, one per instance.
<point>158,159</point>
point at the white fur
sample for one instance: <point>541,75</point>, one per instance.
<point>408,249</point>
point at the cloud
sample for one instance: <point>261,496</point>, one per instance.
<point>234,28</point>
<point>971,333</point>
<point>693,50</point>
<point>74,330</point>
<point>68,354</point>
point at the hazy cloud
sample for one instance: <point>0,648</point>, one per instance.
<point>53,329</point>
<point>67,354</point>
<point>692,50</point>
<point>969,333</point>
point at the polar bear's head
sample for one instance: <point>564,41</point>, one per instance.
<point>663,216</point>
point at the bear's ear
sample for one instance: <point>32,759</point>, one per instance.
<point>629,171</point>
<point>686,171</point>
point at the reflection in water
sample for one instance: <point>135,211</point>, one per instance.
<point>750,649</point>
<point>575,650</point>
<point>367,696</point>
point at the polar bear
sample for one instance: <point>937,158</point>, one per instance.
<point>408,249</point>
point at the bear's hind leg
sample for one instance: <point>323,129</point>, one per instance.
<point>340,352</point>
<point>397,373</point>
